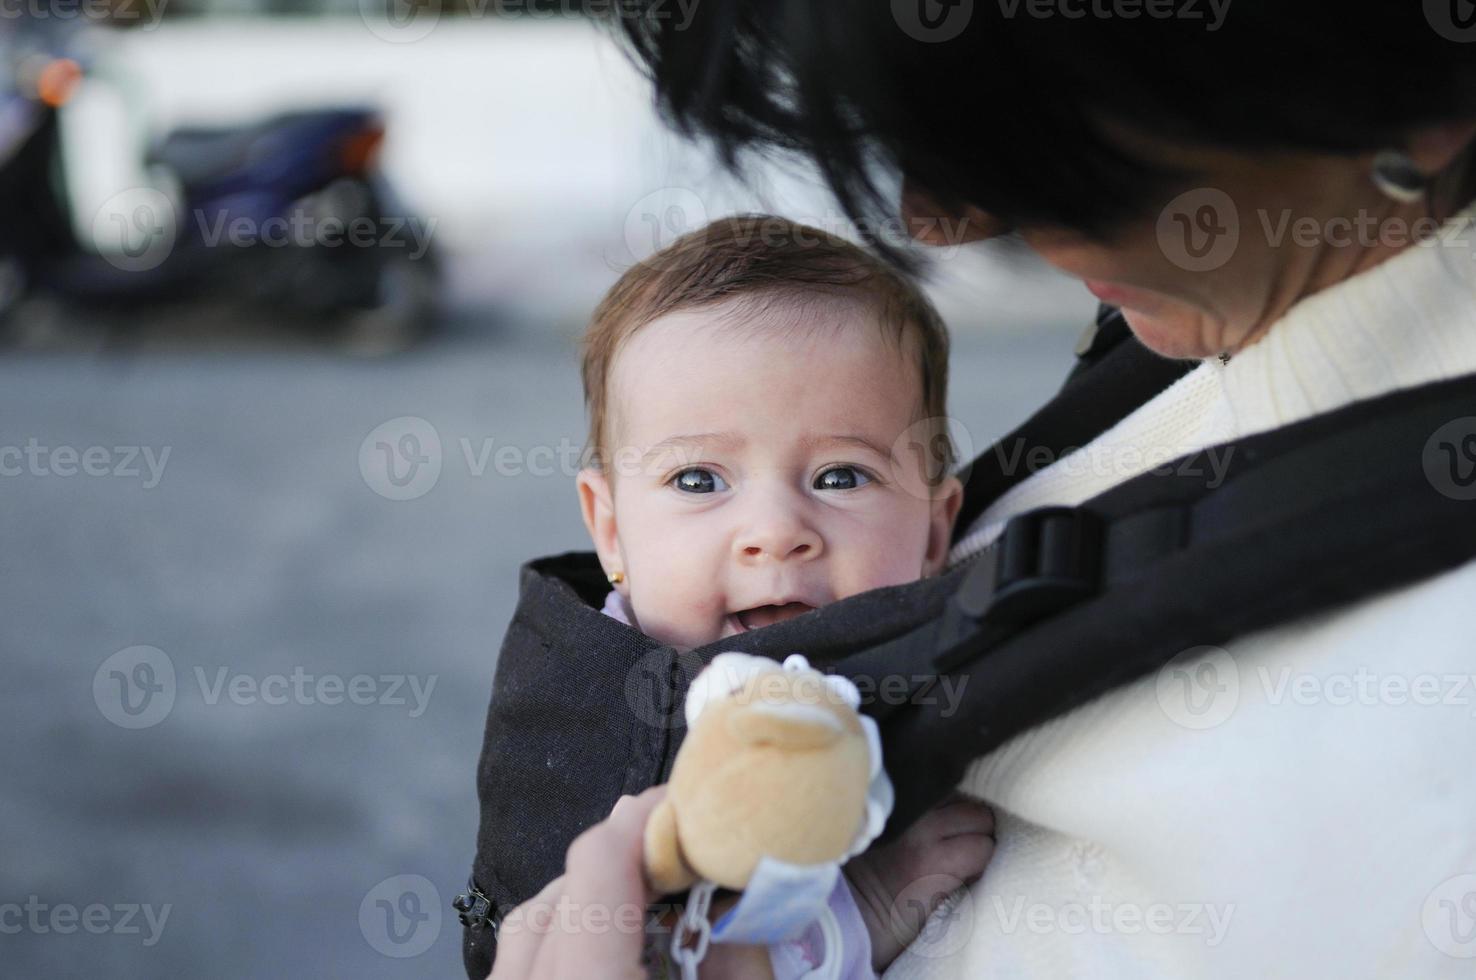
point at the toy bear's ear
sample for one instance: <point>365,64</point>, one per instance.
<point>797,727</point>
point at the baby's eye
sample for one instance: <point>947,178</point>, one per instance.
<point>841,478</point>
<point>698,480</point>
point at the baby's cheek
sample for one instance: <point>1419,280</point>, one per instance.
<point>885,560</point>
<point>683,625</point>
<point>676,602</point>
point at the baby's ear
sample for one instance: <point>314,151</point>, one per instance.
<point>945,505</point>
<point>598,507</point>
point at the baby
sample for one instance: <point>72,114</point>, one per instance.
<point>766,415</point>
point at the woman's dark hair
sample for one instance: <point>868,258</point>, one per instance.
<point>994,103</point>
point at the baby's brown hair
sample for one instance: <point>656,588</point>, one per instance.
<point>763,258</point>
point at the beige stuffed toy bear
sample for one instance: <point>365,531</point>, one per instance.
<point>777,764</point>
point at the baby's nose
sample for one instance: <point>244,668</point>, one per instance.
<point>782,538</point>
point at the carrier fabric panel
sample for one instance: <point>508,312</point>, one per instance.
<point>585,709</point>
<point>562,741</point>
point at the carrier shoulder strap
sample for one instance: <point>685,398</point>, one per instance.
<point>1070,602</point>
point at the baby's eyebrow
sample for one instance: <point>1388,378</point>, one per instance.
<point>735,440</point>
<point>814,442</point>
<point>720,440</point>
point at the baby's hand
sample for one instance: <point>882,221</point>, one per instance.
<point>950,844</point>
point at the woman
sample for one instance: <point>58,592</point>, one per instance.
<point>1284,194</point>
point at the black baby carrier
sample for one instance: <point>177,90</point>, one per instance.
<point>1066,604</point>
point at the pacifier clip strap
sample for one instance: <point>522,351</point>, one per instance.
<point>693,927</point>
<point>693,934</point>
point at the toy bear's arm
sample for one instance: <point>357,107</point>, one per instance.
<point>665,867</point>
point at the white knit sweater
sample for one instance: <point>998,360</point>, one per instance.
<point>1317,815</point>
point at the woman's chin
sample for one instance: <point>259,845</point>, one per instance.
<point>1175,332</point>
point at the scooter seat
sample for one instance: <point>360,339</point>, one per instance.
<point>200,155</point>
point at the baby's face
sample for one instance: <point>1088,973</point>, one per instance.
<point>752,475</point>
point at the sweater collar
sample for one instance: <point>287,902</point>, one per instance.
<point>1408,321</point>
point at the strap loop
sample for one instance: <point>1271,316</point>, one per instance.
<point>1044,560</point>
<point>475,909</point>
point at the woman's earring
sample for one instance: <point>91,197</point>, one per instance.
<point>615,578</point>
<point>1396,176</point>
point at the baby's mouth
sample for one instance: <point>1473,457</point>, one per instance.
<point>752,619</point>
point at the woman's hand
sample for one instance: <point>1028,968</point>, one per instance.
<point>590,921</point>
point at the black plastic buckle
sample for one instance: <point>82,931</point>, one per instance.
<point>475,909</point>
<point>1044,561</point>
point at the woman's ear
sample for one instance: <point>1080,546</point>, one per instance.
<point>946,501</point>
<point>1433,148</point>
<point>597,504</point>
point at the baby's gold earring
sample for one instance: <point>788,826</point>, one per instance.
<point>616,578</point>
